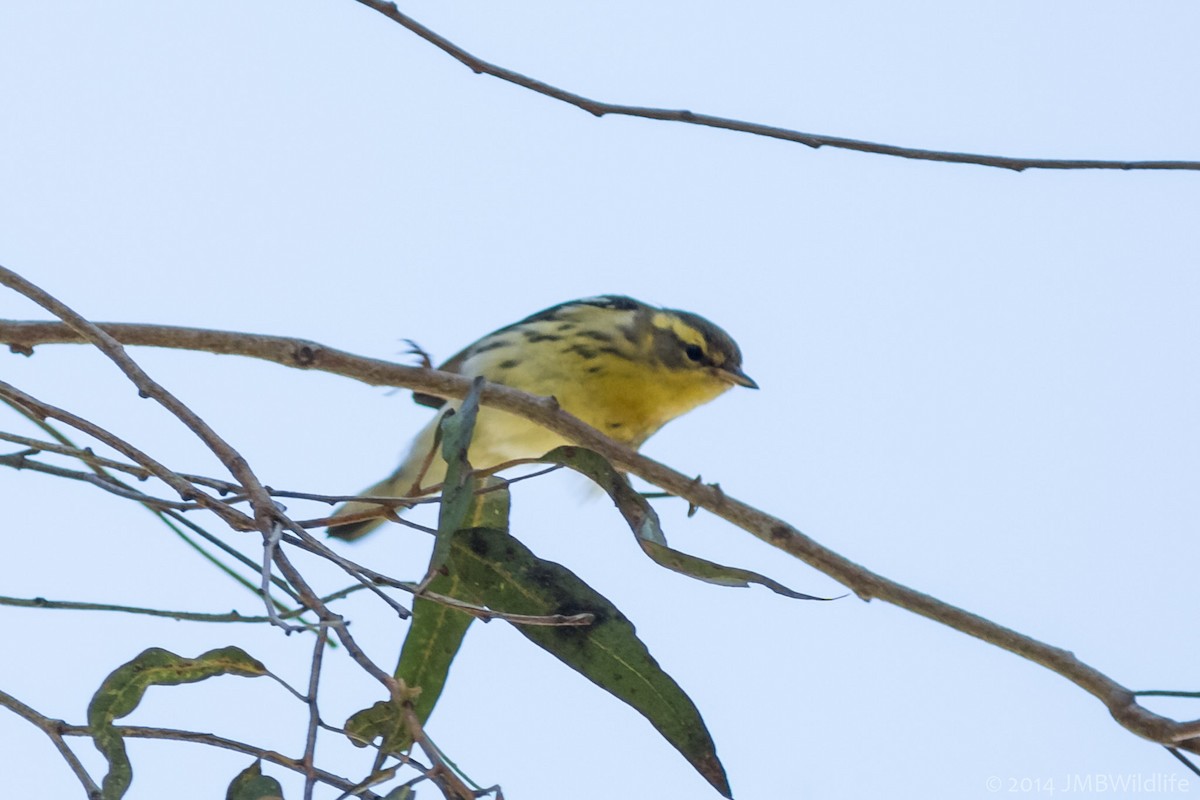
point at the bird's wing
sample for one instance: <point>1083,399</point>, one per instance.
<point>456,362</point>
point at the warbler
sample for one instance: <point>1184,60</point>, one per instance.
<point>624,367</point>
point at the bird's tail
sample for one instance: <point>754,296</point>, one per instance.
<point>422,468</point>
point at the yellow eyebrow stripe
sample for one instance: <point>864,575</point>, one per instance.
<point>683,332</point>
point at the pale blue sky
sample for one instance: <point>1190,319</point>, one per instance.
<point>976,382</point>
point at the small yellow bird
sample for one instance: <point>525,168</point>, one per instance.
<point>621,366</point>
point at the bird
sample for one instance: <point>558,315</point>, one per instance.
<point>622,366</point>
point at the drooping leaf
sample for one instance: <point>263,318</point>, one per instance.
<point>487,567</point>
<point>458,488</point>
<point>498,571</point>
<point>124,688</point>
<point>712,572</point>
<point>251,784</point>
<point>434,636</point>
<point>643,520</point>
<point>380,721</point>
<point>432,641</point>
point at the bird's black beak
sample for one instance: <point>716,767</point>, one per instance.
<point>736,376</point>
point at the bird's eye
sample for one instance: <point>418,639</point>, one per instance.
<point>695,352</point>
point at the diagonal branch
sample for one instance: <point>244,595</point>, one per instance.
<point>54,728</point>
<point>186,490</point>
<point>264,509</point>
<point>1120,701</point>
<point>269,519</point>
<point>813,140</point>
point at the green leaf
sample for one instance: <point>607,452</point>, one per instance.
<point>434,636</point>
<point>437,630</point>
<point>458,488</point>
<point>498,571</point>
<point>122,690</point>
<point>380,721</point>
<point>487,567</point>
<point>712,572</point>
<point>643,520</point>
<point>433,640</point>
<point>251,784</point>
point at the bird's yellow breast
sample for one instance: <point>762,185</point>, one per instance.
<point>608,378</point>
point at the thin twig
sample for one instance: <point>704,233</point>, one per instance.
<point>378,773</point>
<point>86,455</point>
<point>381,775</point>
<point>266,515</point>
<point>813,140</point>
<point>187,491</point>
<point>372,579</point>
<point>174,521</point>
<point>368,579</point>
<point>172,518</point>
<point>172,734</point>
<point>264,509</point>
<point>270,543</point>
<point>335,621</point>
<point>22,461</point>
<point>441,773</point>
<point>53,728</point>
<point>1187,762</point>
<point>314,716</point>
<point>344,519</point>
<point>183,616</point>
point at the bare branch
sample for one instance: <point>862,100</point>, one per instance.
<point>441,773</point>
<point>171,518</point>
<point>372,580</point>
<point>270,545</point>
<point>186,490</point>
<point>1120,701</point>
<point>268,517</point>
<point>86,455</point>
<point>22,461</point>
<point>264,507</point>
<point>813,140</point>
<point>71,605</point>
<point>54,728</point>
<point>171,734</point>
<point>178,521</point>
<point>184,616</point>
<point>314,716</point>
<point>1184,760</point>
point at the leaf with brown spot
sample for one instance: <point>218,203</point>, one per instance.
<point>501,573</point>
<point>124,688</point>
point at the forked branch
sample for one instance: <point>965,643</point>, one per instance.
<point>814,140</point>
